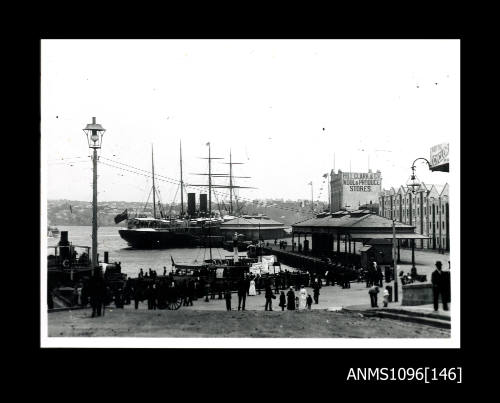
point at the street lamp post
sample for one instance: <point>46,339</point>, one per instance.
<point>413,182</point>
<point>94,133</point>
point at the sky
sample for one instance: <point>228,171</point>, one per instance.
<point>290,110</point>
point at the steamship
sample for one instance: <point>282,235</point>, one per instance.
<point>190,229</point>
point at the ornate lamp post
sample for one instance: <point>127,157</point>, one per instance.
<point>413,183</point>
<point>94,132</point>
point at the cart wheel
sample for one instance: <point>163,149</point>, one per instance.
<point>174,305</point>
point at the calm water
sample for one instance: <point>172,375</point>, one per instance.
<point>109,240</point>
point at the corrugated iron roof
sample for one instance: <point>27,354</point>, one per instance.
<point>251,221</point>
<point>388,236</point>
<point>348,220</point>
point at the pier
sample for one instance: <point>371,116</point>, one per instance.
<point>308,261</point>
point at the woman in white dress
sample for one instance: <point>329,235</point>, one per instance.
<point>252,290</point>
<point>302,297</point>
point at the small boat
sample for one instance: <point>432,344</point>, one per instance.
<point>53,231</point>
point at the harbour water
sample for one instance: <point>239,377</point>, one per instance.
<point>109,240</point>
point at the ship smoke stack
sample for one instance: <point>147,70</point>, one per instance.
<point>191,208</point>
<point>64,239</point>
<point>64,246</point>
<point>203,203</point>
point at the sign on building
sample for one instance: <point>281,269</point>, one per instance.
<point>360,188</point>
<point>439,159</point>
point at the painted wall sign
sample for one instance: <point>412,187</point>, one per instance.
<point>439,155</point>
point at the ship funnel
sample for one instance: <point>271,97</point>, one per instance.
<point>203,203</point>
<point>191,207</point>
<point>63,241</point>
<point>64,246</point>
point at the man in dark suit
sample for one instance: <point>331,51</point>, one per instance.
<point>439,287</point>
<point>242,292</point>
<point>97,291</point>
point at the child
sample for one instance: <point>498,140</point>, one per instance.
<point>309,301</point>
<point>282,300</point>
<point>386,297</point>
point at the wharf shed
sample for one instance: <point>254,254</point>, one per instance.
<point>349,226</point>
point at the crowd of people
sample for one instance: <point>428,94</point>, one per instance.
<point>287,287</point>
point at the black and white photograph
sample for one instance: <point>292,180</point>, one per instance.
<point>250,193</point>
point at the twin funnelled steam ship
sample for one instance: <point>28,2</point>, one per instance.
<point>190,229</point>
<point>196,227</point>
<point>150,232</point>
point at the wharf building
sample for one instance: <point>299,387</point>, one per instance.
<point>326,231</point>
<point>351,190</point>
<point>427,210</point>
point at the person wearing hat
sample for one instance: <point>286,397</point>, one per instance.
<point>316,288</point>
<point>227,296</point>
<point>290,299</point>
<point>373,291</point>
<point>242,292</point>
<point>282,303</point>
<point>439,287</point>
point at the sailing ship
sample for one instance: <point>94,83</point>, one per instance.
<point>186,230</point>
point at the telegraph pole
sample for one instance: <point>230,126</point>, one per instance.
<point>312,197</point>
<point>182,183</point>
<point>394,260</point>
<point>154,189</point>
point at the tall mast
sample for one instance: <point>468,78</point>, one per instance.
<point>231,177</point>
<point>154,190</point>
<point>230,184</point>
<point>182,183</point>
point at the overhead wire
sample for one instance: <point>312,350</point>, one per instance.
<point>167,179</point>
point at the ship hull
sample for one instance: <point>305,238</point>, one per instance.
<point>166,239</point>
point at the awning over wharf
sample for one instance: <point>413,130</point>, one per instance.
<point>352,226</point>
<point>357,224</point>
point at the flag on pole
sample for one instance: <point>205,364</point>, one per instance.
<point>310,183</point>
<point>208,143</point>
<point>120,217</point>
